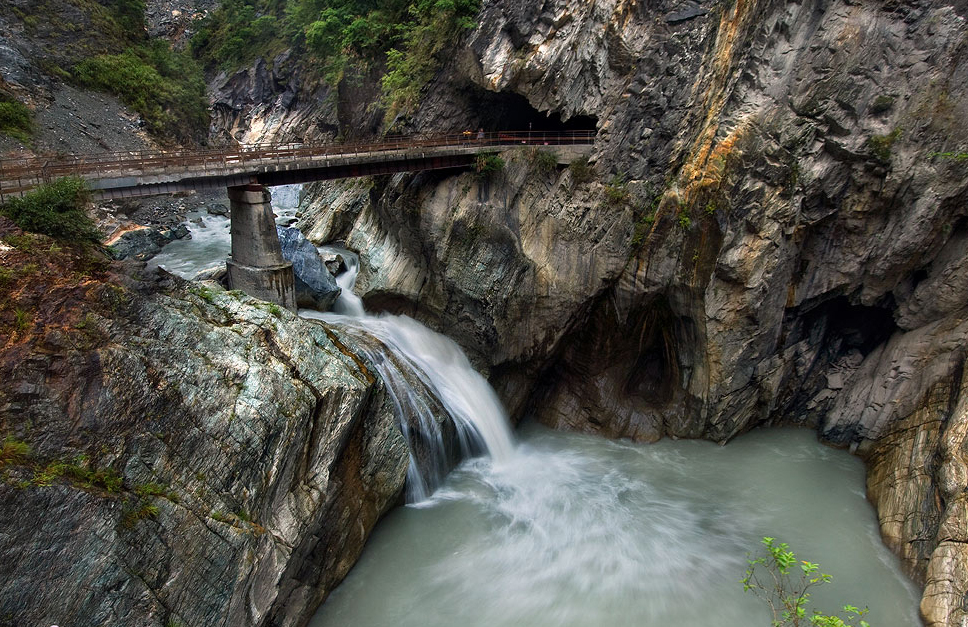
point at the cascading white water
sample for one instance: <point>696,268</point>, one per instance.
<point>440,364</point>
<point>579,531</point>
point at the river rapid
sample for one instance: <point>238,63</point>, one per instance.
<point>574,530</point>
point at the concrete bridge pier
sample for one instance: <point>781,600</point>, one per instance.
<point>256,266</point>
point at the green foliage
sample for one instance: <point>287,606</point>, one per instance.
<point>786,591</point>
<point>684,220</point>
<point>880,145</point>
<point>129,15</point>
<point>56,209</point>
<point>136,511</point>
<point>205,293</point>
<point>78,471</point>
<point>164,86</point>
<point>16,120</point>
<point>542,161</point>
<point>643,226</point>
<point>22,319</point>
<point>13,451</point>
<point>881,104</point>
<point>433,25</point>
<point>236,33</point>
<point>645,216</point>
<point>408,34</point>
<point>149,489</point>
<point>488,163</point>
<point>616,193</point>
<point>955,156</point>
<point>275,310</point>
<point>581,171</point>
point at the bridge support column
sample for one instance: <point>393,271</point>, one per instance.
<point>256,266</point>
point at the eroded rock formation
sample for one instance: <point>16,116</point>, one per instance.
<point>775,234</point>
<point>195,457</point>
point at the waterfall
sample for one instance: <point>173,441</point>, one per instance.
<point>417,354</point>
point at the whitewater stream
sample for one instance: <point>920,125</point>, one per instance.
<point>555,529</point>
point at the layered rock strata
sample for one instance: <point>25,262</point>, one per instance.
<point>194,457</point>
<point>774,233</point>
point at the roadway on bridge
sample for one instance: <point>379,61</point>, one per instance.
<point>127,174</point>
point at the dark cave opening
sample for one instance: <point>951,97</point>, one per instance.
<point>501,111</point>
<point>654,373</point>
<point>860,327</point>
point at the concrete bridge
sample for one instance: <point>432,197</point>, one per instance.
<point>256,265</point>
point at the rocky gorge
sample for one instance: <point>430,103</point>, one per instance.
<point>772,231</point>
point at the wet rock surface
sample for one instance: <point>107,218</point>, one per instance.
<point>315,285</point>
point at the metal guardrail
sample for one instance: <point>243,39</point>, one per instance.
<point>20,174</point>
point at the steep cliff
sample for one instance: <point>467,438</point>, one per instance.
<point>776,234</point>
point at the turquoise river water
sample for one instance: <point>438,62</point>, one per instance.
<point>574,530</point>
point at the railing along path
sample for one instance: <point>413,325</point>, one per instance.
<point>19,174</point>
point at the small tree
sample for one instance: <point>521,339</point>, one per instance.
<point>787,594</point>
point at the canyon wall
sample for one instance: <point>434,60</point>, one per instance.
<point>775,233</point>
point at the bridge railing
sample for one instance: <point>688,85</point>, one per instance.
<point>18,174</point>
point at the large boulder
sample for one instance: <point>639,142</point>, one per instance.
<point>315,286</point>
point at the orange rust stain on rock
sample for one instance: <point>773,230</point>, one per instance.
<point>705,165</point>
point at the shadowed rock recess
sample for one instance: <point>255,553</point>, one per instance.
<point>773,230</point>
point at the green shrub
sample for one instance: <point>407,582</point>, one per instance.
<point>22,319</point>
<point>164,86</point>
<point>956,156</point>
<point>880,145</point>
<point>488,163</point>
<point>581,171</point>
<point>616,194</point>
<point>683,219</point>
<point>789,595</point>
<point>78,471</point>
<point>543,161</point>
<point>13,451</point>
<point>56,209</point>
<point>137,511</point>
<point>16,121</point>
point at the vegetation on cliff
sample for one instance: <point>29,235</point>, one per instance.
<point>105,46</point>
<point>16,119</point>
<point>405,36</point>
<point>55,210</point>
<point>164,86</point>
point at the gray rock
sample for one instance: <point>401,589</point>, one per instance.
<point>315,286</point>
<point>143,244</point>
<point>334,263</point>
<point>217,274</point>
<point>255,450</point>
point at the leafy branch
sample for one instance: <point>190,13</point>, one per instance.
<point>785,588</point>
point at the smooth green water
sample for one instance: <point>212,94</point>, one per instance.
<point>579,531</point>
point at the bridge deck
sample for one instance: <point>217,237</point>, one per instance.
<point>114,175</point>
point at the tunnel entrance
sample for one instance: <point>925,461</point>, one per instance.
<point>500,111</point>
